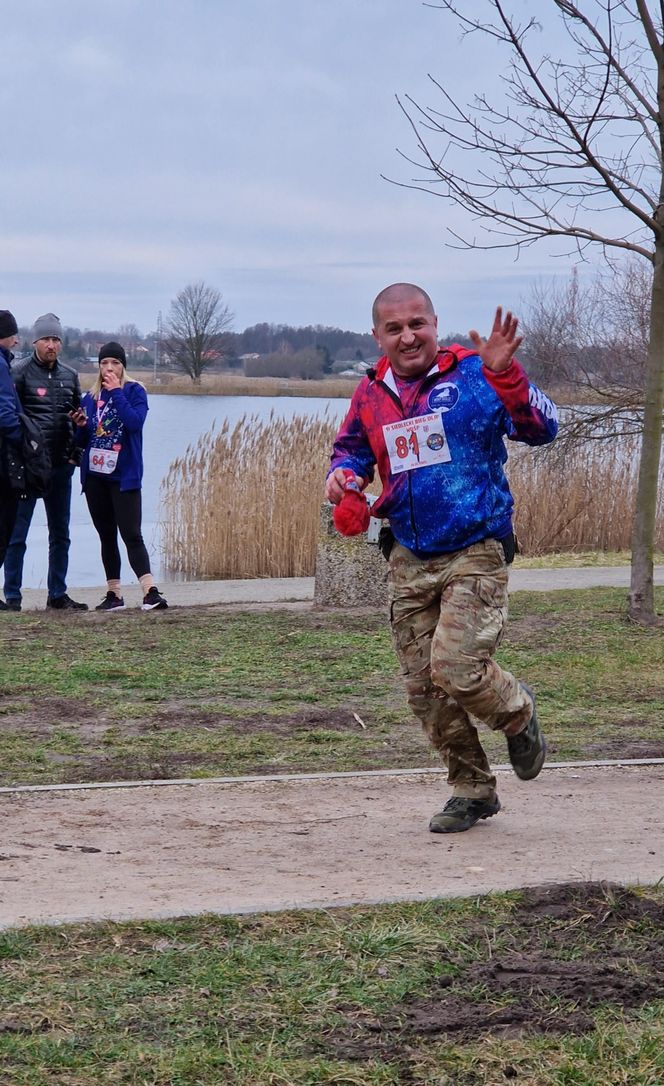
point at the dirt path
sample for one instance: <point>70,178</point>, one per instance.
<point>241,847</point>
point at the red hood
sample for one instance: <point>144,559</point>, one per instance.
<point>447,357</point>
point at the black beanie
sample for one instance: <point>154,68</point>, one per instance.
<point>8,325</point>
<point>113,350</point>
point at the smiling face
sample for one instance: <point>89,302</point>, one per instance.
<point>406,329</point>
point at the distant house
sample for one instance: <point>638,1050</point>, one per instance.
<point>353,368</point>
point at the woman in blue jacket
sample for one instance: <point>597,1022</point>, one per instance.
<point>110,421</point>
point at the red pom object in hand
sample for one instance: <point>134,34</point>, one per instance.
<point>351,515</point>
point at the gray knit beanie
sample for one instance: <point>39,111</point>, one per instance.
<point>46,326</point>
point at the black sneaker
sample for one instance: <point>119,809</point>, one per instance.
<point>527,750</point>
<point>64,603</point>
<point>111,602</point>
<point>153,601</point>
<point>11,605</point>
<point>460,814</point>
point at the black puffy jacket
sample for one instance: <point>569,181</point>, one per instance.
<point>47,396</point>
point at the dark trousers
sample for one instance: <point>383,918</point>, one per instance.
<point>112,511</point>
<point>8,508</point>
<point>58,505</point>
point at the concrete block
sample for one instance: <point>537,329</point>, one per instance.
<point>350,572</point>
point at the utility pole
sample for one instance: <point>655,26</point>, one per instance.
<point>157,346</point>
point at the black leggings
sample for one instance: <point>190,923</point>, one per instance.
<point>114,510</point>
<point>8,509</point>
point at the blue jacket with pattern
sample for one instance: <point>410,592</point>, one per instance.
<point>449,505</point>
<point>116,422</point>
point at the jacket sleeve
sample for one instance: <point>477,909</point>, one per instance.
<point>18,377</point>
<point>533,416</point>
<point>351,446</point>
<point>10,426</point>
<point>131,404</point>
<point>77,392</point>
<point>83,434</point>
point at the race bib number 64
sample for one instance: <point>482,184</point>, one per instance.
<point>103,461</point>
<point>416,443</point>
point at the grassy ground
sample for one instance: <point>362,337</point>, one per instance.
<point>578,559</point>
<point>561,986</point>
<point>213,691</point>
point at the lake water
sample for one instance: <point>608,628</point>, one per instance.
<point>173,423</point>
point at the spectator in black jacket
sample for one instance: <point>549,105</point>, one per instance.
<point>49,391</point>
<point>10,430</point>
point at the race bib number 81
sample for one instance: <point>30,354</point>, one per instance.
<point>416,443</point>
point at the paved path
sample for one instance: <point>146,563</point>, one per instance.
<point>234,847</point>
<point>301,589</point>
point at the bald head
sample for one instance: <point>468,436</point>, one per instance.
<point>406,328</point>
<point>396,293</point>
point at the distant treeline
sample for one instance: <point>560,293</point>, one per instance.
<point>340,345</point>
<point>284,350</point>
<point>264,339</point>
<point>270,339</point>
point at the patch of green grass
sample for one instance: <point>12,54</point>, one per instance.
<point>365,996</point>
<point>578,559</point>
<point>206,692</point>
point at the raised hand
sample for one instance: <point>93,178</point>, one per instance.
<point>110,380</point>
<point>498,350</point>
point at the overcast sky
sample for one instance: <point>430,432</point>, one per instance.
<point>148,144</point>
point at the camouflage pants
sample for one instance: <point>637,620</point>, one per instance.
<point>447,616</point>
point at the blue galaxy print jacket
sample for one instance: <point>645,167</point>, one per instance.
<point>124,413</point>
<point>449,505</point>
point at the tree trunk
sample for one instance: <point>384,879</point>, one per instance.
<point>641,595</point>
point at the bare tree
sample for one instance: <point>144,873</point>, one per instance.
<point>572,148</point>
<point>130,337</point>
<point>199,321</point>
<point>590,339</point>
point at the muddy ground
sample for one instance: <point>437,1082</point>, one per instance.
<point>41,718</point>
<point>566,950</point>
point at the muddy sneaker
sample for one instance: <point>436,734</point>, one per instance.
<point>65,603</point>
<point>527,750</point>
<point>153,601</point>
<point>111,602</point>
<point>12,605</point>
<point>460,814</point>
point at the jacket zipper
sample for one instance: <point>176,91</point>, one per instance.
<point>433,377</point>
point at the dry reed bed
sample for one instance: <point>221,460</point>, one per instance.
<point>578,498</point>
<point>236,384</point>
<point>245,502</point>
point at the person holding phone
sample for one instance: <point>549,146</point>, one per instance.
<point>48,392</point>
<point>110,430</point>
